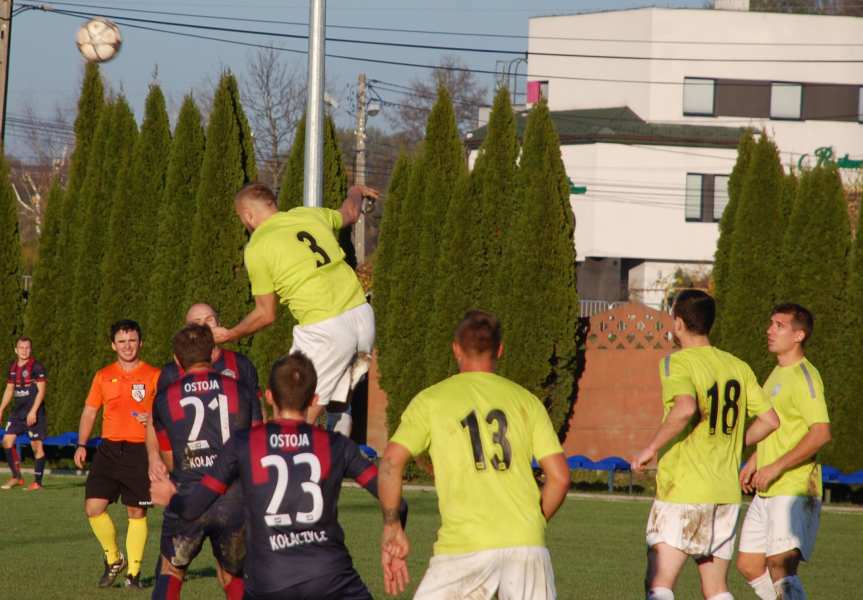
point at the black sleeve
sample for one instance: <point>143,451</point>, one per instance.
<point>215,483</point>
<point>249,395</point>
<point>167,376</point>
<point>249,374</point>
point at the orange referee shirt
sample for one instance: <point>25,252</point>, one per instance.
<point>120,394</point>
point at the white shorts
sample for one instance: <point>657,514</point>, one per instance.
<point>520,573</point>
<point>340,348</point>
<point>700,530</point>
<point>778,524</point>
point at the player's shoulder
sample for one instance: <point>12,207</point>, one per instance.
<point>38,366</point>
<point>12,364</point>
<point>809,376</point>
<point>148,370</point>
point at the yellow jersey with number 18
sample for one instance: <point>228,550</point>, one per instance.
<point>481,431</point>
<point>296,254</point>
<point>702,464</point>
<point>797,394</point>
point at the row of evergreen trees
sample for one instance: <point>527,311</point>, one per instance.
<point>144,228</point>
<point>785,238</point>
<point>499,237</point>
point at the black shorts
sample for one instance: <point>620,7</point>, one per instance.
<point>120,469</point>
<point>223,523</point>
<point>38,432</point>
<point>343,585</point>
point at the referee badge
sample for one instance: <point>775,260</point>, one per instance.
<point>139,392</point>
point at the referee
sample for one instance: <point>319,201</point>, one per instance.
<point>124,390</point>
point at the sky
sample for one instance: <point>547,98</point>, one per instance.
<point>46,66</point>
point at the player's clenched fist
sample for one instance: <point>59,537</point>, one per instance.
<point>162,491</point>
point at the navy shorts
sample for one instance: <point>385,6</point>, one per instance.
<point>37,432</point>
<point>223,523</point>
<point>343,585</point>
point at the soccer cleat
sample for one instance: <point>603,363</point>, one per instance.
<point>134,582</point>
<point>112,571</point>
<point>14,482</point>
<point>33,487</point>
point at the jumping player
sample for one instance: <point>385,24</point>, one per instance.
<point>291,475</point>
<point>294,257</point>
<point>26,384</point>
<point>193,419</point>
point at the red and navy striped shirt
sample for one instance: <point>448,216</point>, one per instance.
<point>24,378</point>
<point>291,475</point>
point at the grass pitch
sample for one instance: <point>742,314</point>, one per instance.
<point>597,547</point>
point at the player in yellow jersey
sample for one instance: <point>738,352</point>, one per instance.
<point>782,521</point>
<point>294,257</point>
<point>707,395</point>
<point>481,432</point>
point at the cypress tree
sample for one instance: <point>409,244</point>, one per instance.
<point>815,274</point>
<point>847,427</point>
<point>455,290</point>
<point>52,281</point>
<point>275,340</point>
<point>495,206</point>
<point>400,383</point>
<point>755,258</point>
<point>115,266</point>
<point>40,317</point>
<point>215,272</point>
<point>722,257</point>
<point>109,157</point>
<point>146,187</point>
<point>11,292</point>
<point>443,163</point>
<point>386,258</point>
<point>541,313</point>
<point>168,282</point>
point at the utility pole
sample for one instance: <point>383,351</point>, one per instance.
<point>5,53</point>
<point>313,180</point>
<point>360,166</point>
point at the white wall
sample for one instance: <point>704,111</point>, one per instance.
<point>634,205</point>
<point>663,102</point>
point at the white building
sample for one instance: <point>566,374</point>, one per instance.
<point>653,136</point>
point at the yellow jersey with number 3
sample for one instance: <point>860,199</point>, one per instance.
<point>701,466</point>
<point>481,431</point>
<point>296,254</point>
<point>797,394</point>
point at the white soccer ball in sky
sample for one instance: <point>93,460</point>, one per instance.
<point>99,40</point>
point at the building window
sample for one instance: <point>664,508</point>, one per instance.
<point>694,196</point>
<point>706,197</point>
<point>698,96</point>
<point>860,105</point>
<point>720,195</point>
<point>786,100</point>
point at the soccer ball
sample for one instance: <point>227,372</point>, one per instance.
<point>99,40</point>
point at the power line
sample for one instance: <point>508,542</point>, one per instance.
<point>471,34</point>
<point>467,49</point>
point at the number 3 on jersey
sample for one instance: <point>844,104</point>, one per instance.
<point>309,239</point>
<point>276,518</point>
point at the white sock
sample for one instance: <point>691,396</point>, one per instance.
<point>789,588</point>
<point>344,424</point>
<point>763,586</point>
<point>660,593</point>
<point>722,596</point>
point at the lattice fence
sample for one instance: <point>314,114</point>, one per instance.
<point>630,326</point>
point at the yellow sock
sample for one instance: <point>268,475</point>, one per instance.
<point>103,529</point>
<point>136,540</point>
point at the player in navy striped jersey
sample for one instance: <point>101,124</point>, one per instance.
<point>291,474</point>
<point>193,418</point>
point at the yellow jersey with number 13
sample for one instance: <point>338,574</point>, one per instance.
<point>701,466</point>
<point>296,254</point>
<point>481,431</point>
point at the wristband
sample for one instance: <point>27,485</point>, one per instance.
<point>82,445</point>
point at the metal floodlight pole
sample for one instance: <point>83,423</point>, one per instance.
<point>313,181</point>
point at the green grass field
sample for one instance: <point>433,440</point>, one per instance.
<point>597,547</point>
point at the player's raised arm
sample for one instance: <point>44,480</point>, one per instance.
<point>353,204</point>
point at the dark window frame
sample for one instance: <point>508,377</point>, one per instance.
<point>707,199</point>
<point>802,87</point>
<point>712,112</point>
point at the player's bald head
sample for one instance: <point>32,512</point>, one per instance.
<point>202,313</point>
<point>256,195</point>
